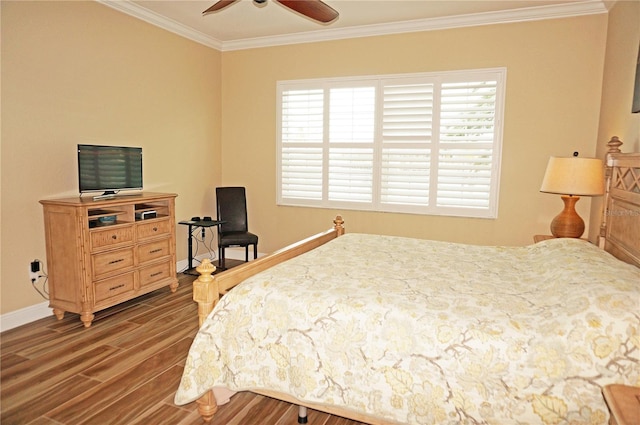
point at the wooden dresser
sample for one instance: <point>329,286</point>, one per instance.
<point>104,252</point>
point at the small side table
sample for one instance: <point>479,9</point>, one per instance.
<point>195,225</point>
<point>540,238</point>
<point>624,404</point>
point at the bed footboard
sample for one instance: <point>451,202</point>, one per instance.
<point>208,288</point>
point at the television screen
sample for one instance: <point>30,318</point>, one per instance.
<point>109,169</point>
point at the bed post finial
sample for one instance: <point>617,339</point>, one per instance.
<point>614,145</point>
<point>205,290</point>
<point>338,225</point>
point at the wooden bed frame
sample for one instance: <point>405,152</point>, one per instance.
<point>619,235</point>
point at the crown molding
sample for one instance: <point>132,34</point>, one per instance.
<point>565,10</point>
<point>132,9</point>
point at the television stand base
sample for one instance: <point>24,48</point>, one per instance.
<point>105,195</point>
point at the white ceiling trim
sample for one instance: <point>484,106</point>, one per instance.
<point>163,22</point>
<point>565,10</point>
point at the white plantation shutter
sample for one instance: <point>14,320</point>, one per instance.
<point>421,143</point>
<point>301,141</point>
<point>351,137</point>
<point>467,133</point>
<point>407,118</point>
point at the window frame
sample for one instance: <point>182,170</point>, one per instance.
<point>435,144</point>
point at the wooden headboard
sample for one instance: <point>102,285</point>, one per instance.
<point>620,228</point>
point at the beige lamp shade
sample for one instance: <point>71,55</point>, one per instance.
<point>574,176</point>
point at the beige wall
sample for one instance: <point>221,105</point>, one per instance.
<point>80,72</point>
<point>623,42</point>
<point>76,72</point>
<point>616,119</point>
<point>554,77</point>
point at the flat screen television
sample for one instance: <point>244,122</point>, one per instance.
<point>109,169</point>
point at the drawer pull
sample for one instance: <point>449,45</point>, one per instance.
<point>153,251</point>
<point>116,261</point>
<point>114,237</point>
<point>155,274</point>
<point>113,288</point>
<point>155,229</point>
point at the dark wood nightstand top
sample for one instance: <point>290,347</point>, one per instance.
<point>540,238</point>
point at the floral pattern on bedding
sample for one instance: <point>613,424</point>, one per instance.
<point>425,332</point>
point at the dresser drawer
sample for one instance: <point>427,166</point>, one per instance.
<point>151,251</point>
<point>155,273</point>
<point>153,229</point>
<point>111,262</point>
<point>113,286</point>
<point>108,238</point>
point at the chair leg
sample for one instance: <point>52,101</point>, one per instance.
<point>255,251</point>
<point>246,253</point>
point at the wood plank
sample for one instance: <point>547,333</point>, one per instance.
<point>40,382</point>
<point>138,401</point>
<point>29,409</point>
<point>160,414</point>
<point>11,360</point>
<point>186,316</point>
<point>121,361</point>
<point>26,336</point>
<point>74,410</point>
<point>48,359</point>
<point>77,342</point>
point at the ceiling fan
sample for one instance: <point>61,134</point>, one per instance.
<point>314,9</point>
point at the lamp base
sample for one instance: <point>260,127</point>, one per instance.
<point>568,224</point>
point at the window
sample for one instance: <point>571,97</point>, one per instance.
<point>419,143</point>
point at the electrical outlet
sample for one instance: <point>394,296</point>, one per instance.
<point>34,270</point>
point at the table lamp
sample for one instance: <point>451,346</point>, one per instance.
<point>572,177</point>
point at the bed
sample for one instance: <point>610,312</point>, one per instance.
<point>385,330</point>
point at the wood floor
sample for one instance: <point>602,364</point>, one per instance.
<point>124,369</point>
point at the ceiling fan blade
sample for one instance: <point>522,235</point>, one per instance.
<point>314,9</point>
<point>219,5</point>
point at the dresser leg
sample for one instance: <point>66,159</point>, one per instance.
<point>174,286</point>
<point>59,313</point>
<point>87,318</point>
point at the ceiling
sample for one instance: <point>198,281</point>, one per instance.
<point>245,24</point>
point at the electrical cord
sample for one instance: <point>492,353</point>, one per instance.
<point>202,239</point>
<point>44,292</point>
<point>199,236</point>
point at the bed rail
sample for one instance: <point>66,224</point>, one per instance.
<point>207,288</point>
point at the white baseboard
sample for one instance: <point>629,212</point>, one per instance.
<point>25,315</point>
<point>16,318</point>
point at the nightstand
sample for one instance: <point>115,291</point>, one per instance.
<point>540,238</point>
<point>624,404</point>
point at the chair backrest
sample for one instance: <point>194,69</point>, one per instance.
<point>231,203</point>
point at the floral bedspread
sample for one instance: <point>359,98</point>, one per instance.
<point>424,332</point>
